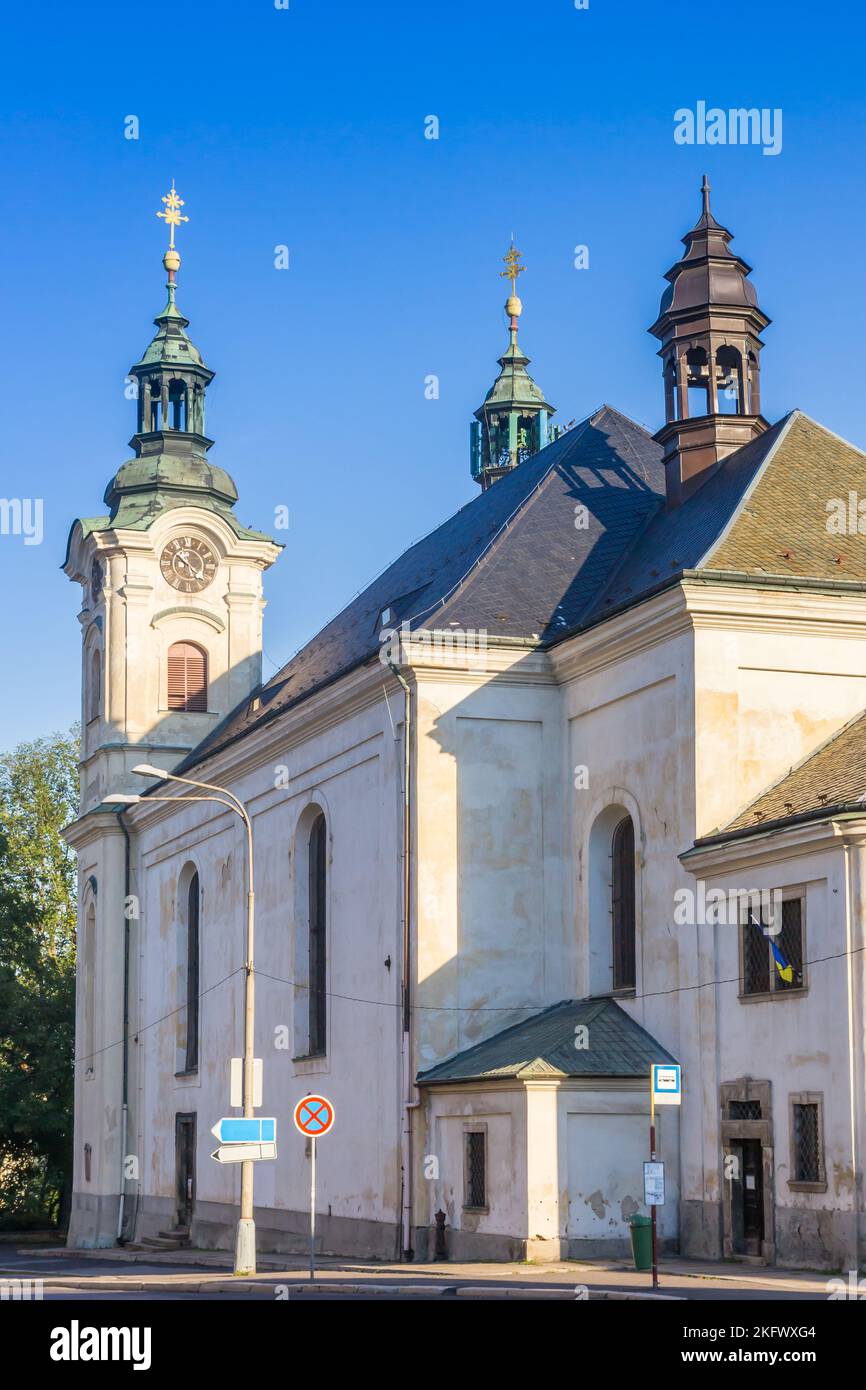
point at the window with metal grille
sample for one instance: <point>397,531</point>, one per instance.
<point>622,905</point>
<point>756,957</point>
<point>744,1109</point>
<point>762,974</point>
<point>187,677</point>
<point>318,961</point>
<point>790,943</point>
<point>475,1141</point>
<point>807,1142</point>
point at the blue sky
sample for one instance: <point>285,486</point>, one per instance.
<point>305,127</point>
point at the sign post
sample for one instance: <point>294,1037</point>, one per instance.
<point>313,1116</point>
<point>666,1088</point>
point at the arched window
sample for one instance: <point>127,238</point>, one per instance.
<point>753,404</point>
<point>187,677</point>
<point>698,382</point>
<point>672,395</point>
<point>622,898</point>
<point>177,405</point>
<point>88,992</point>
<point>154,389</point>
<point>729,393</point>
<point>318,961</point>
<point>94,690</point>
<point>190,1059</point>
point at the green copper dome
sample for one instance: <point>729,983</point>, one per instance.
<point>170,345</point>
<point>513,422</point>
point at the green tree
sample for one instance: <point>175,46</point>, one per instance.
<point>38,796</point>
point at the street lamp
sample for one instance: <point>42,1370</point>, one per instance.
<point>245,1242</point>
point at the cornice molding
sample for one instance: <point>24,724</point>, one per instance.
<point>179,612</point>
<point>622,635</point>
<point>93,825</point>
<point>772,847</point>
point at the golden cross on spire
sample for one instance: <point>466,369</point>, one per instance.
<point>512,261</point>
<point>172,215</point>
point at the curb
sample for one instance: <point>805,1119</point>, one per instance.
<point>566,1295</point>
<point>300,1289</point>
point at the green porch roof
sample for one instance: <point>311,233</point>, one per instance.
<point>544,1045</point>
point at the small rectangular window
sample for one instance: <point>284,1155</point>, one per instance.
<point>475,1164</point>
<point>807,1147</point>
<point>744,1110</point>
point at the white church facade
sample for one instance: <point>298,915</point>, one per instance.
<point>507,811</point>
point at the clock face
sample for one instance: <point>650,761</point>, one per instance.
<point>188,564</point>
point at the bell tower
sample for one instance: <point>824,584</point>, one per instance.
<point>709,326</point>
<point>171,641</point>
<point>171,580</point>
<point>513,422</point>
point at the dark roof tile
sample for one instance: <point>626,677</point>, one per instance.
<point>545,1045</point>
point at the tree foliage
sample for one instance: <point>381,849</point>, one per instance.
<point>38,796</point>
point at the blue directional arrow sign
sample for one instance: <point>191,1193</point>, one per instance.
<point>232,1129</point>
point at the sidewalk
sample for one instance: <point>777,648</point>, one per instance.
<point>281,1276</point>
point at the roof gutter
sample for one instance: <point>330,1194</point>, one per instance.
<point>843,810</point>
<point>738,578</point>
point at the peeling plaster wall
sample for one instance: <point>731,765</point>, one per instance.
<point>775,675</point>
<point>489,921</point>
<point>607,1140</point>
<point>350,769</point>
<point>630,723</point>
<point>499,1231</point>
<point>677,726</point>
<point>98,1085</point>
<point>799,1044</point>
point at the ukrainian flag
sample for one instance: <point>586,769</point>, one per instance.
<point>785,970</point>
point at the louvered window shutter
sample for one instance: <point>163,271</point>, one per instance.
<point>187,677</point>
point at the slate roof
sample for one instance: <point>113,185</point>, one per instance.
<point>830,780</point>
<point>513,562</point>
<point>545,1046</point>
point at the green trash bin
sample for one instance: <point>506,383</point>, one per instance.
<point>640,1228</point>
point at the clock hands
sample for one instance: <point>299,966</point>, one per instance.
<point>188,565</point>
<point>183,559</point>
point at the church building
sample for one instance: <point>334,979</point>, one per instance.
<point>575,786</point>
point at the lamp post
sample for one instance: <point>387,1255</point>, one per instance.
<point>245,1243</point>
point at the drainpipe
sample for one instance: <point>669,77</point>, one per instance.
<point>853,947</point>
<point>124,1124</point>
<point>409,1102</point>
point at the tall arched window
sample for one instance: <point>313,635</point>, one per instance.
<point>698,382</point>
<point>187,677</point>
<point>177,405</point>
<point>318,961</point>
<point>622,899</point>
<point>94,689</point>
<point>190,1062</point>
<point>729,393</point>
<point>88,961</point>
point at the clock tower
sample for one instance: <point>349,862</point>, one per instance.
<point>171,582</point>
